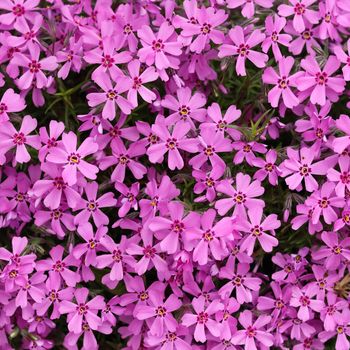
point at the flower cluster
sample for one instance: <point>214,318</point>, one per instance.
<point>174,174</point>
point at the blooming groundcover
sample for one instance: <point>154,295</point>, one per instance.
<point>174,174</point>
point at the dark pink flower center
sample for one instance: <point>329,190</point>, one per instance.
<point>3,108</point>
<point>74,158</point>
<point>202,317</point>
<point>171,143</point>
<point>256,231</point>
<point>59,183</point>
<point>149,252</point>
<point>160,311</point>
<point>34,66</point>
<point>117,255</point>
<point>56,214</point>
<point>307,34</point>
<point>111,94</point>
<point>184,111</point>
<point>240,197</point>
<point>19,138</point>
<point>143,296</point>
<point>323,203</point>
<point>51,142</point>
<point>283,82</point>
<point>304,170</point>
<point>250,332</point>
<point>137,83</point>
<point>238,280</point>
<point>299,9</point>
<point>18,10</point>
<point>107,61</point>
<point>157,45</point>
<point>304,300</point>
<point>321,78</point>
<point>177,226</point>
<point>58,266</point>
<point>127,29</point>
<point>92,205</point>
<point>337,249</point>
<point>243,50</point>
<point>209,182</point>
<point>274,36</point>
<point>208,236</point>
<point>82,309</point>
<point>206,28</point>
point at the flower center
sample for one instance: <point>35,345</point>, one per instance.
<point>184,111</point>
<point>307,35</point>
<point>137,83</point>
<point>59,183</point>
<point>256,231</point>
<point>18,138</point>
<point>3,108</point>
<point>56,214</point>
<point>304,300</point>
<point>238,280</point>
<point>74,158</point>
<point>157,45</point>
<point>299,9</point>
<point>160,311</point>
<point>247,148</point>
<point>209,182</point>
<point>171,143</point>
<point>59,266</point>
<point>82,309</point>
<point>208,236</point>
<point>18,10</point>
<point>337,249</point>
<point>177,226</point>
<point>209,151</point>
<point>34,66</point>
<point>149,252</point>
<point>111,94</point>
<point>143,296</point>
<point>323,203</point>
<point>269,167</point>
<point>304,170</point>
<point>274,36</point>
<point>92,206</point>
<point>202,317</point>
<point>243,50</point>
<point>283,82</point>
<point>127,29</point>
<point>250,332</point>
<point>107,61</point>
<point>117,255</point>
<point>206,28</point>
<point>321,78</point>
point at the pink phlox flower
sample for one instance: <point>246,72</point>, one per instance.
<point>92,244</point>
<point>161,48</point>
<point>59,267</point>
<point>323,201</point>
<point>159,311</point>
<point>171,144</point>
<point>123,159</point>
<point>11,138</point>
<point>344,58</point>
<point>274,25</point>
<point>331,313</point>
<point>211,238</point>
<point>10,102</point>
<point>70,57</point>
<point>334,252</point>
<point>137,80</point>
<point>92,206</point>
<point>171,231</point>
<point>242,195</point>
<point>242,47</point>
<point>300,10</point>
<point>300,166</point>
<point>33,68</point>
<point>328,27</point>
<point>241,280</point>
<point>340,144</point>
<point>204,28</point>
<point>128,197</point>
<point>254,332</point>
<point>223,123</point>
<point>283,83</point>
<point>246,151</point>
<point>19,12</point>
<point>303,299</point>
<point>255,229</point>
<point>71,158</point>
<point>111,95</point>
<point>319,83</point>
<point>203,318</point>
<point>50,139</point>
<point>248,6</point>
<point>268,168</point>
<point>116,259</point>
<point>305,214</point>
<point>186,107</point>
<point>82,310</point>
